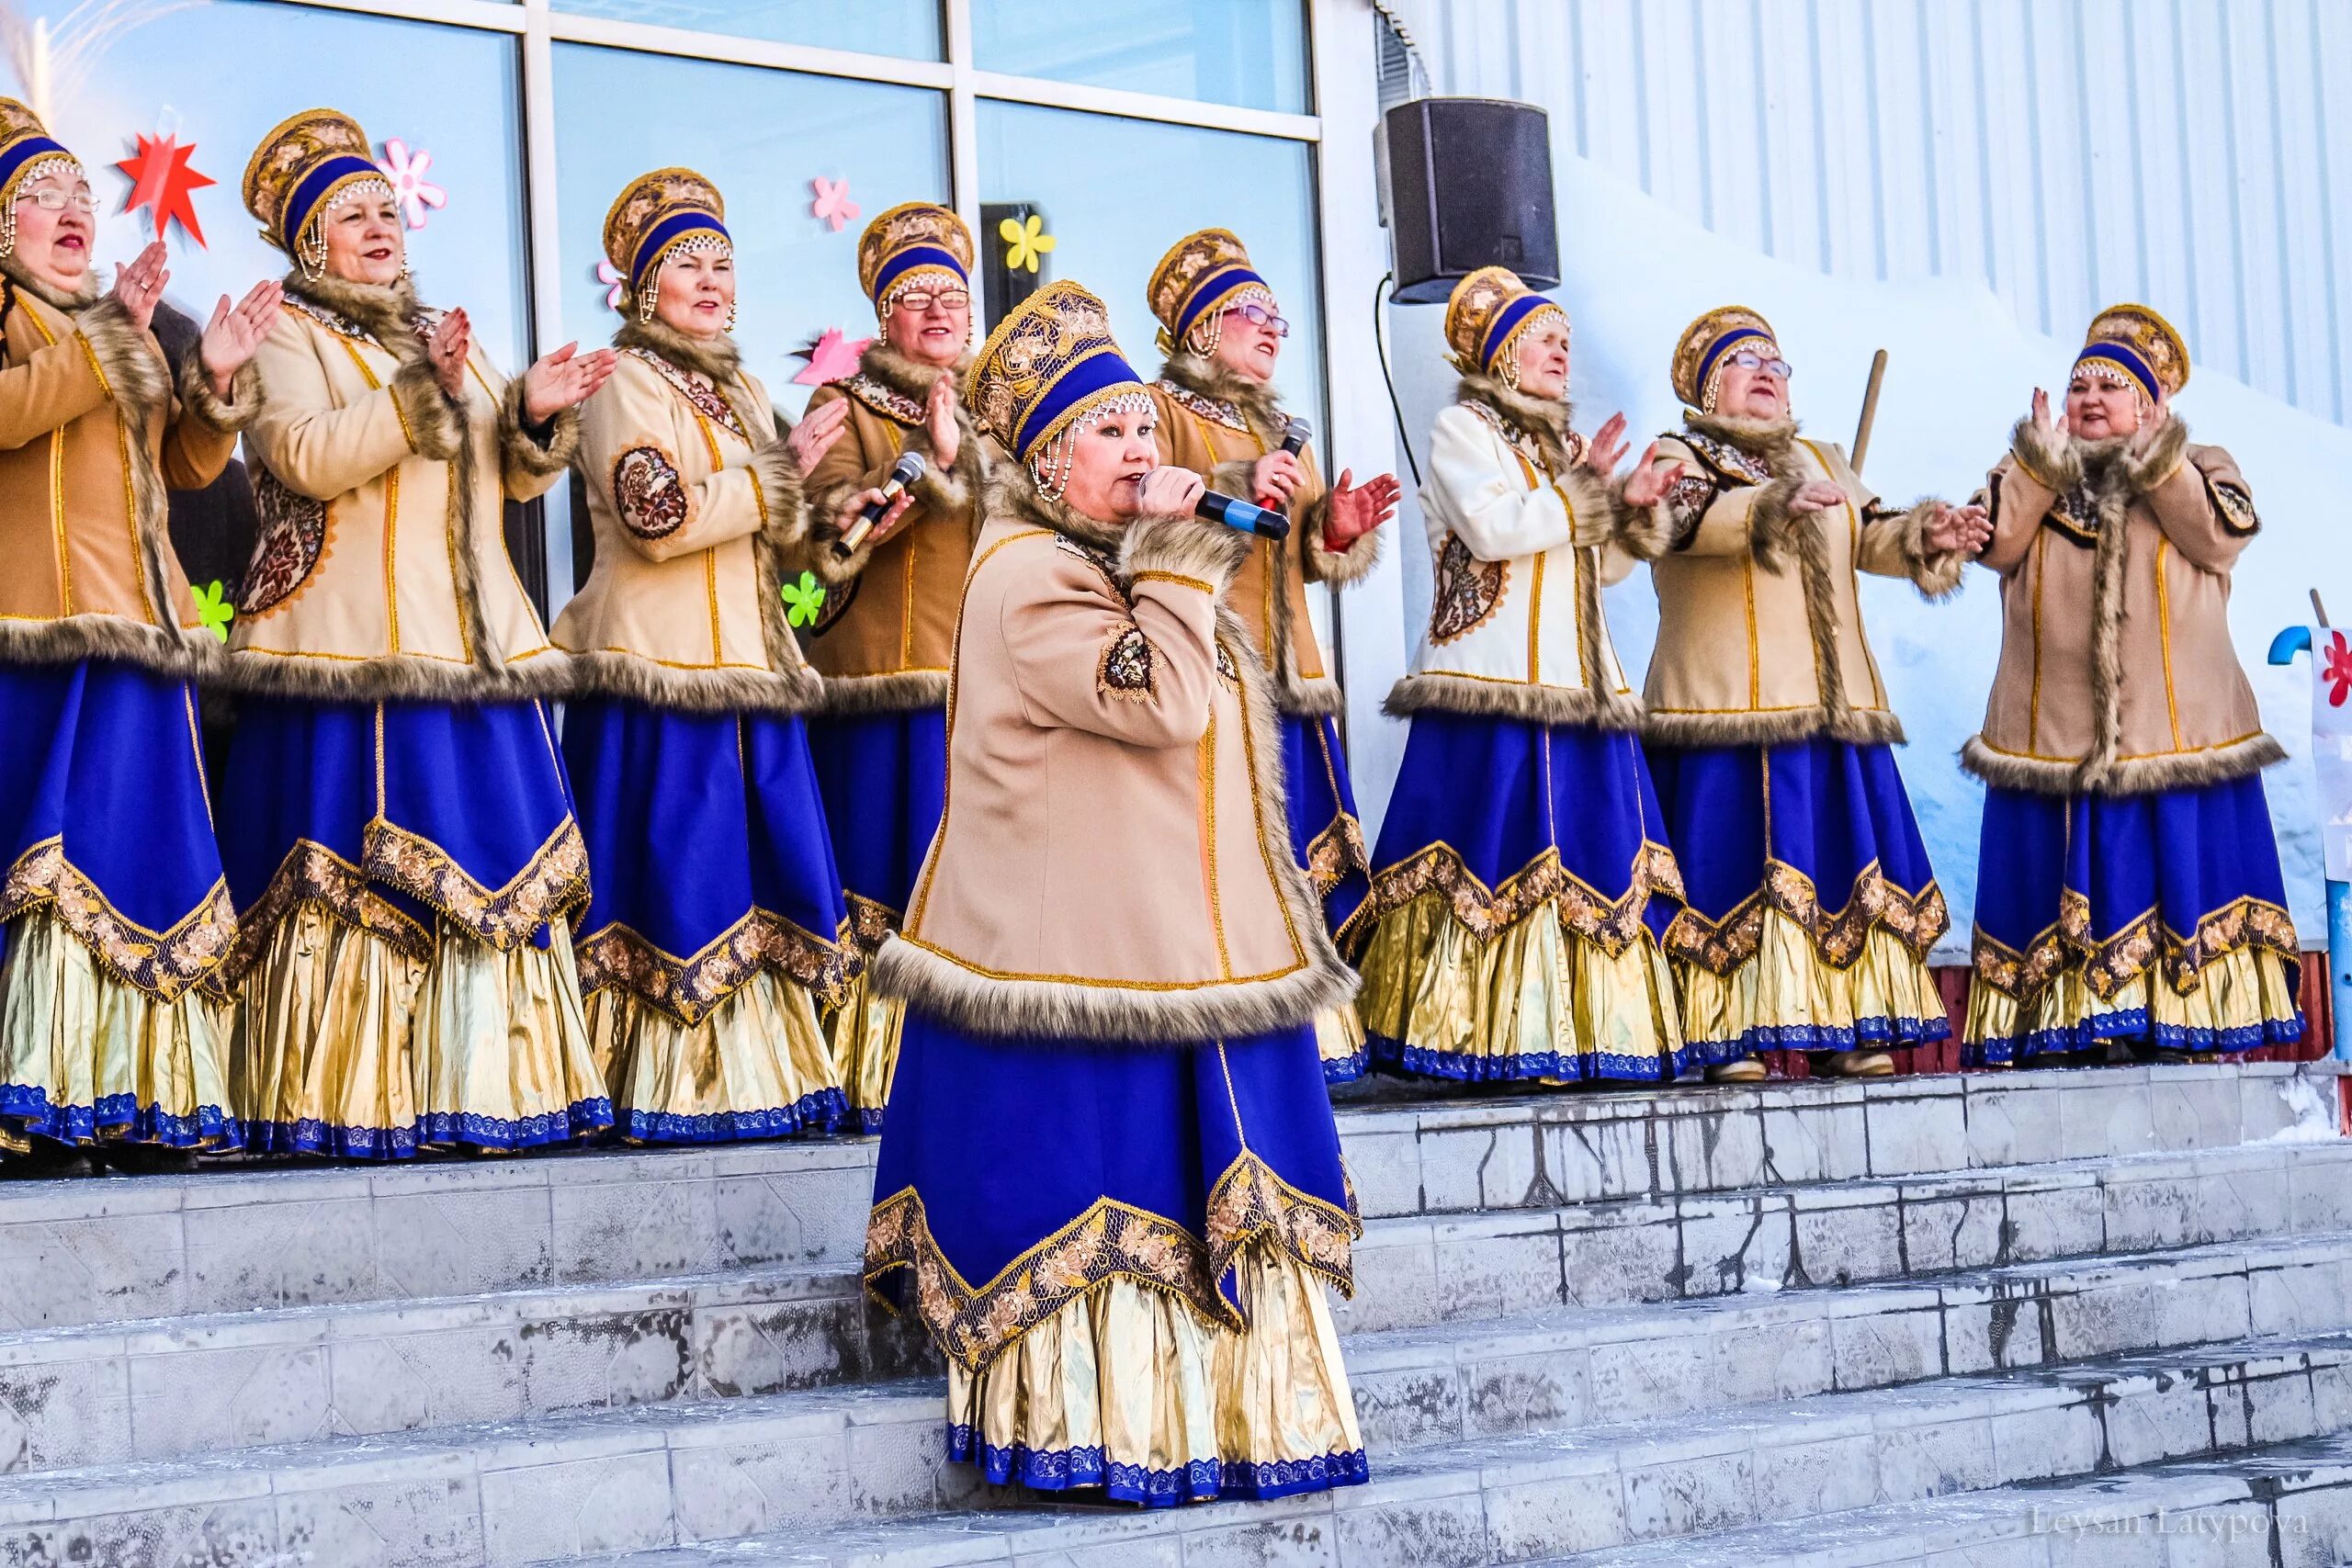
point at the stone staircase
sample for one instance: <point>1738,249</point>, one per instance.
<point>2027,1318</point>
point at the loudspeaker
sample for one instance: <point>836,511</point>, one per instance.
<point>1469,185</point>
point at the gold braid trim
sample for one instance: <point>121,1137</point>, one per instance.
<point>162,964</point>
<point>1337,851</point>
<point>2110,965</point>
<point>312,874</point>
<point>690,989</point>
<point>1610,924</point>
<point>553,882</point>
<point>1917,920</point>
<point>1109,1241</point>
<point>869,921</point>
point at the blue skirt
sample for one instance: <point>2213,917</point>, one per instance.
<point>1811,904</point>
<point>712,867</point>
<point>1523,884</point>
<point>1326,835</point>
<point>402,820</point>
<point>1017,1179</point>
<point>2156,919</point>
<point>884,779</point>
<point>107,831</point>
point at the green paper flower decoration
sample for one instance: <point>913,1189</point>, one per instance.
<point>802,600</point>
<point>212,607</point>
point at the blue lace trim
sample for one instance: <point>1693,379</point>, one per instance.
<point>1551,1066</point>
<point>1347,1069</point>
<point>117,1116</point>
<point>2130,1024</point>
<point>313,1136</point>
<point>1200,1480</point>
<point>819,1110</point>
<point>1876,1033</point>
<point>869,1119</point>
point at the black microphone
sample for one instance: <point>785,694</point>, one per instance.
<point>904,472</point>
<point>1236,514</point>
<point>1297,435</point>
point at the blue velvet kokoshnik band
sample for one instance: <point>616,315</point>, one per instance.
<point>1722,345</point>
<point>912,257</point>
<point>1100,371</point>
<point>1213,292</point>
<point>667,232</point>
<point>1506,322</point>
<point>2131,362</point>
<point>20,155</point>
<point>313,189</point>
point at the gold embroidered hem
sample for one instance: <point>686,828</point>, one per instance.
<point>864,1032</point>
<point>84,1055</point>
<point>553,882</point>
<point>2243,999</point>
<point>1612,924</point>
<point>1786,994</point>
<point>312,874</point>
<point>1536,1001</point>
<point>1128,1389</point>
<point>755,1066</point>
<point>1837,937</point>
<point>869,922</point>
<point>1337,853</point>
<point>973,1325</point>
<point>162,964</point>
<point>2111,965</point>
<point>690,989</point>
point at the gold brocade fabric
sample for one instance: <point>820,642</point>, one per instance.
<point>864,1029</point>
<point>2233,997</point>
<point>756,1066</point>
<point>1787,991</point>
<point>2118,964</point>
<point>1340,1043</point>
<point>502,1055</point>
<point>86,1041</point>
<point>1129,1389</point>
<point>1535,999</point>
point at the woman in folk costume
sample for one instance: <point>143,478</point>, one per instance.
<point>2128,886</point>
<point>1220,417</point>
<point>398,833</point>
<point>118,917</point>
<point>1809,904</point>
<point>1110,1182</point>
<point>883,636</point>
<point>1523,883</point>
<point>715,926</point>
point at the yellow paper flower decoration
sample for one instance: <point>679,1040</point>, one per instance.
<point>1024,242</point>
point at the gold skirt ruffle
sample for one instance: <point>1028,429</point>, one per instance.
<point>756,1067</point>
<point>1130,1388</point>
<point>1536,1001</point>
<point>346,1045</point>
<point>1786,995</point>
<point>85,1056</point>
<point>864,1032</point>
<point>2242,1001</point>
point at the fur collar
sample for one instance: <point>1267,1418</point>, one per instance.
<point>1260,403</point>
<point>13,266</point>
<point>908,378</point>
<point>1765,438</point>
<point>1544,420</point>
<point>1012,494</point>
<point>718,359</point>
<point>388,312</point>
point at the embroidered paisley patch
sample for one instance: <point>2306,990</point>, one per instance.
<point>2235,505</point>
<point>648,493</point>
<point>1467,591</point>
<point>1126,668</point>
<point>1687,504</point>
<point>292,536</point>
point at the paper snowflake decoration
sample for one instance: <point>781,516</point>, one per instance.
<point>406,170</point>
<point>832,356</point>
<point>833,203</point>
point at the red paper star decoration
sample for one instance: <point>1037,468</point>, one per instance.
<point>162,180</point>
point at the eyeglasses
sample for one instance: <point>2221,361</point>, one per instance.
<point>1259,316</point>
<point>1748,359</point>
<point>49,198</point>
<point>922,300</point>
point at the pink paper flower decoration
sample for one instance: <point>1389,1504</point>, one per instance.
<point>406,170</point>
<point>833,203</point>
<point>830,358</point>
<point>607,273</point>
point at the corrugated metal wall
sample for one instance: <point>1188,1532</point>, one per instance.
<point>2068,153</point>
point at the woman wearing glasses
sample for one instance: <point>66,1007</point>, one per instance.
<point>882,636</point>
<point>397,828</point>
<point>1810,905</point>
<point>1220,416</point>
<point>118,921</point>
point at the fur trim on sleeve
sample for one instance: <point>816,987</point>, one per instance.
<point>435,429</point>
<point>133,370</point>
<point>1233,479</point>
<point>1341,569</point>
<point>1935,573</point>
<point>199,402</point>
<point>1771,526</point>
<point>783,510</point>
<point>2049,459</point>
<point>1169,545</point>
<point>525,456</point>
<point>2145,470</point>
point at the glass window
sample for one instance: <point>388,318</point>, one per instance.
<point>761,137</point>
<point>1114,193</point>
<point>908,29</point>
<point>1251,53</point>
<point>452,93</point>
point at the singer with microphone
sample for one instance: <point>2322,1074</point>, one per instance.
<point>1220,416</point>
<point>714,934</point>
<point>881,639</point>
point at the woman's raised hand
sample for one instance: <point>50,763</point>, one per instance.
<point>451,342</point>
<point>1964,529</point>
<point>817,432</point>
<point>1351,513</point>
<point>563,380</point>
<point>141,283</point>
<point>1649,482</point>
<point>2053,428</point>
<point>1606,448</point>
<point>234,333</point>
<point>1818,495</point>
<point>939,421</point>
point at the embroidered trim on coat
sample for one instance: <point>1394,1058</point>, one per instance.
<point>1468,590</point>
<point>690,989</point>
<point>1729,460</point>
<point>1215,410</point>
<point>292,537</point>
<point>648,491</point>
<point>554,883</point>
<point>887,402</point>
<point>1126,668</point>
<point>1610,924</point>
<point>162,964</point>
<point>705,398</point>
<point>1687,502</point>
<point>2112,964</point>
<point>1917,920</point>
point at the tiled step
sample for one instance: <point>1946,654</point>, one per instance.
<point>554,1490</point>
<point>1807,1466</point>
<point>242,1237</point>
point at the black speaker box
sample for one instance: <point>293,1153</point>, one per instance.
<point>1469,186</point>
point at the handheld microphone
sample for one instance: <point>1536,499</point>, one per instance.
<point>904,472</point>
<point>1297,435</point>
<point>1236,514</point>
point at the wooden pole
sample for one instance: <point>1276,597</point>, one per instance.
<point>2317,608</point>
<point>1870,408</point>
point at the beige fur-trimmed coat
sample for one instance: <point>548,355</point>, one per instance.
<point>380,569</point>
<point>1218,425</point>
<point>695,502</point>
<point>1113,862</point>
<point>2117,673</point>
<point>1760,637</point>
<point>93,426</point>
